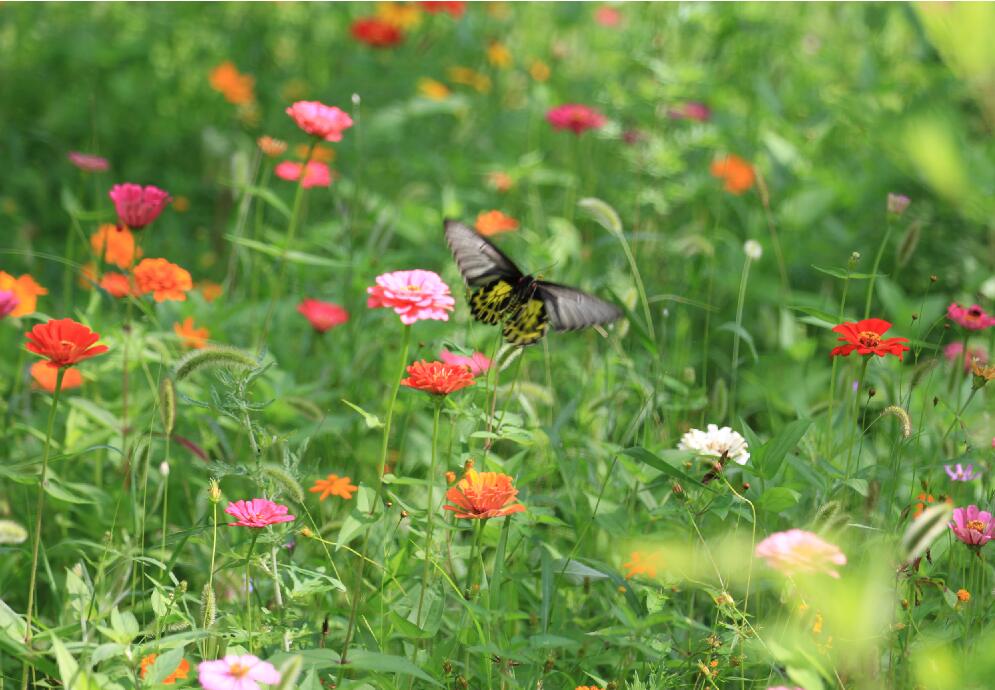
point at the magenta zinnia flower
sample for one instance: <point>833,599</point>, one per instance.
<point>320,120</point>
<point>413,295</point>
<point>259,512</point>
<point>236,672</point>
<point>8,302</point>
<point>138,206</point>
<point>973,319</point>
<point>88,163</point>
<point>478,363</point>
<point>798,551</point>
<point>972,526</point>
<point>316,174</point>
<point>575,117</point>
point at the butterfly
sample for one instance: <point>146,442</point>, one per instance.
<point>526,306</point>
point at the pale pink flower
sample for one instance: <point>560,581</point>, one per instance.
<point>236,672</point>
<point>477,363</point>
<point>320,120</point>
<point>413,295</point>
<point>317,174</point>
<point>575,117</point>
<point>138,206</point>
<point>322,315</point>
<point>88,163</point>
<point>8,302</point>
<point>973,318</point>
<point>972,526</point>
<point>798,551</point>
<point>258,512</point>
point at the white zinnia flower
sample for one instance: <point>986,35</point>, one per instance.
<point>716,442</point>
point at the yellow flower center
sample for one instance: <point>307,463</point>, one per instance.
<point>976,525</point>
<point>869,338</point>
<point>237,670</point>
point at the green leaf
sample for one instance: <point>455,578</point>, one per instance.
<point>165,664</point>
<point>372,421</point>
<point>805,678</point>
<point>824,316</point>
<point>655,461</point>
<point>744,335</point>
<point>843,275</point>
<point>319,659</point>
<point>777,499</point>
<point>267,195</point>
<point>786,440</point>
<point>291,255</point>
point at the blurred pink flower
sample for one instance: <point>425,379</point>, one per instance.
<point>478,363</point>
<point>897,203</point>
<point>413,295</point>
<point>955,351</point>
<point>258,512</point>
<point>88,163</point>
<point>236,672</point>
<point>973,319</point>
<point>322,315</point>
<point>607,16</point>
<point>798,551</point>
<point>575,117</point>
<point>138,206</point>
<point>8,302</point>
<point>320,120</point>
<point>316,175</point>
<point>959,473</point>
<point>972,526</point>
<point>691,110</point>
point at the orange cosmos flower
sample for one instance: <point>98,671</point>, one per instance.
<point>180,673</point>
<point>438,378</point>
<point>116,244</point>
<point>494,222</point>
<point>117,285</point>
<point>736,172</point>
<point>333,485</point>
<point>190,335</point>
<point>237,88</point>
<point>25,288</point>
<point>209,290</point>
<point>64,341</point>
<point>641,563</point>
<point>44,373</point>
<point>165,280</point>
<point>483,495</point>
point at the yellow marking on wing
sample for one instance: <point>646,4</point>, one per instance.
<point>527,324</point>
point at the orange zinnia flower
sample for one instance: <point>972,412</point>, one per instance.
<point>181,672</point>
<point>500,181</point>
<point>432,89</point>
<point>483,495</point>
<point>165,280</point>
<point>44,373</point>
<point>498,55</point>
<point>116,244</point>
<point>271,147</point>
<point>438,378</point>
<point>117,285</point>
<point>190,335</point>
<point>25,289</point>
<point>333,485</point>
<point>237,88</point>
<point>737,173</point>
<point>209,290</point>
<point>494,222</point>
<point>64,341</point>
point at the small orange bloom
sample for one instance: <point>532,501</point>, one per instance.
<point>432,89</point>
<point>181,204</point>
<point>469,77</point>
<point>334,485</point>
<point>180,673</point>
<point>25,289</point>
<point>117,285</point>
<point>165,280</point>
<point>450,477</point>
<point>963,595</point>
<point>209,290</point>
<point>588,687</point>
<point>494,222</point>
<point>924,500</point>
<point>271,147</point>
<point>483,495</point>
<point>403,15</point>
<point>438,378</point>
<point>500,181</point>
<point>237,88</point>
<point>499,55</point>
<point>737,173</point>
<point>642,563</point>
<point>44,374</point>
<point>116,244</point>
<point>190,335</point>
<point>64,342</point>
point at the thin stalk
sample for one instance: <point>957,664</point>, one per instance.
<point>874,269</point>
<point>248,586</point>
<point>960,412</point>
<point>832,375</point>
<point>857,430</point>
<point>431,508</point>
<point>214,549</point>
<point>740,300</point>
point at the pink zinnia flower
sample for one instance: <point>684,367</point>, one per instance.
<point>607,16</point>
<point>8,302</point>
<point>236,672</point>
<point>320,120</point>
<point>316,175</point>
<point>259,512</point>
<point>973,319</point>
<point>88,163</point>
<point>575,117</point>
<point>699,112</point>
<point>477,363</point>
<point>322,315</point>
<point>798,551</point>
<point>138,206</point>
<point>413,295</point>
<point>972,526</point>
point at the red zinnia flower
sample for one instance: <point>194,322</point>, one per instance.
<point>45,373</point>
<point>438,378</point>
<point>483,495</point>
<point>375,32</point>
<point>865,337</point>
<point>451,7</point>
<point>575,117</point>
<point>64,341</point>
<point>322,315</point>
<point>138,206</point>
<point>258,512</point>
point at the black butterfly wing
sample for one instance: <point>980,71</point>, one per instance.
<point>480,262</point>
<point>570,309</point>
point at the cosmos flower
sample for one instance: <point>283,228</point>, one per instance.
<point>138,206</point>
<point>737,174</point>
<point>87,162</point>
<point>236,672</point>
<point>478,363</point>
<point>257,512</point>
<point>165,280</point>
<point>973,318</point>
<point>191,336</point>
<point>376,32</point>
<point>322,315</point>
<point>315,175</point>
<point>438,378</point>
<point>716,443</point>
<point>494,222</point>
<point>958,473</point>
<point>64,342</point>
<point>483,495</point>
<point>237,88</point>
<point>115,243</point>
<point>210,290</point>
<point>799,551</point>
<point>181,672</point>
<point>575,117</point>
<point>414,295</point>
<point>320,120</point>
<point>865,337</point>
<point>972,526</point>
<point>45,373</point>
<point>25,288</point>
<point>333,485</point>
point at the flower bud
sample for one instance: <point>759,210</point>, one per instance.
<point>214,491</point>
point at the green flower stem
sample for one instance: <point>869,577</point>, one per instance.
<point>735,337</point>
<point>431,508</point>
<point>856,430</point>
<point>248,587</point>
<point>874,269</point>
<point>832,376</point>
<point>214,550</point>
<point>960,412</point>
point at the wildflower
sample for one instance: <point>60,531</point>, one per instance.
<point>432,89</point>
<point>165,280</point>
<point>924,500</point>
<point>753,250</point>
<point>44,373</point>
<point>500,181</point>
<point>25,289</point>
<point>865,337</point>
<point>716,443</point>
<point>963,595</point>
<point>191,336</point>
<point>539,71</point>
<point>483,495</point>
<point>982,374</point>
<point>972,526</point>
<point>115,244</point>
<point>8,302</point>
<point>179,674</point>
<point>642,563</point>
<point>87,162</point>
<point>450,477</point>
<point>209,290</point>
<point>236,672</point>
<point>403,15</point>
<point>498,55</point>
<point>737,174</point>
<point>333,485</point>
<point>413,295</point>
<point>607,16</point>
<point>481,83</point>
<point>692,110</point>
<point>270,146</point>
<point>64,342</point>
<point>322,315</point>
<point>377,33</point>
<point>320,120</point>
<point>958,473</point>
<point>494,222</point>
<point>973,318</point>
<point>117,285</point>
<point>237,88</point>
<point>257,512</point>
<point>798,551</point>
<point>138,206</point>
<point>954,351</point>
<point>438,378</point>
<point>453,9</point>
<point>322,154</point>
<point>897,203</point>
<point>575,117</point>
<point>477,363</point>
<point>315,175</point>
<point>588,687</point>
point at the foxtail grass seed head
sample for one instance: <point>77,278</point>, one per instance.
<point>904,420</point>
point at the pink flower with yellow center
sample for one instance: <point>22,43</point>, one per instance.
<point>798,551</point>
<point>236,672</point>
<point>972,526</point>
<point>258,512</point>
<point>415,295</point>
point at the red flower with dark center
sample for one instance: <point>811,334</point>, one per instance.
<point>866,338</point>
<point>64,342</point>
<point>438,378</point>
<point>376,32</point>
